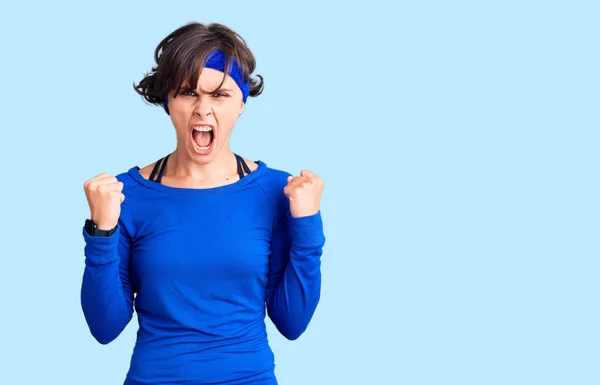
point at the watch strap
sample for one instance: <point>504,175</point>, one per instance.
<point>92,229</point>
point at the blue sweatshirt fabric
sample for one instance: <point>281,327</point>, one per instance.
<point>203,268</point>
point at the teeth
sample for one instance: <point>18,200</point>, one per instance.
<point>201,148</point>
<point>202,128</point>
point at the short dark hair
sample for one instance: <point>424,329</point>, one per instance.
<point>180,57</point>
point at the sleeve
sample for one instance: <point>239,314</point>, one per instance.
<point>106,290</point>
<point>294,285</point>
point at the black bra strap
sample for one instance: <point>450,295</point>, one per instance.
<point>155,169</point>
<point>162,164</point>
<point>162,169</point>
<point>239,166</point>
<point>245,166</point>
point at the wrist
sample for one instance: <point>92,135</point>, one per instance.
<point>304,213</point>
<point>101,229</point>
<point>308,230</point>
<point>105,227</point>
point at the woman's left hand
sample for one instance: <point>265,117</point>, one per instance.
<point>304,192</point>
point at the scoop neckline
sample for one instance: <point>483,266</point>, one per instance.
<point>134,172</point>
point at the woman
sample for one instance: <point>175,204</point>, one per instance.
<point>207,242</point>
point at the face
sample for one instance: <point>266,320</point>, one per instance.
<point>204,121</point>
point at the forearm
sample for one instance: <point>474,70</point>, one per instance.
<point>105,299</point>
<point>294,300</point>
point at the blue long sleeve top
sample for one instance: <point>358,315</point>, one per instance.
<point>203,268</point>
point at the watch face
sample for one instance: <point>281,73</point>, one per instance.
<point>90,226</point>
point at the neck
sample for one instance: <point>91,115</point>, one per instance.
<point>183,166</point>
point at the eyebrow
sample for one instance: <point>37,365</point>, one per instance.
<point>206,92</point>
<point>224,90</point>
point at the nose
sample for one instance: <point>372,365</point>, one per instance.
<point>203,107</point>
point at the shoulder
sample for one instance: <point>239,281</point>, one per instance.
<point>134,176</point>
<point>126,178</point>
<point>131,183</point>
<point>272,181</point>
<point>147,170</point>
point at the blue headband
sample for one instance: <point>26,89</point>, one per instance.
<point>218,61</point>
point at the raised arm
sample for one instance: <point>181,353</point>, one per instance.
<point>106,290</point>
<point>294,285</point>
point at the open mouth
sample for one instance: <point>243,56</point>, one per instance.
<point>203,138</point>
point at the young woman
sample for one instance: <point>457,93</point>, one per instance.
<point>204,243</point>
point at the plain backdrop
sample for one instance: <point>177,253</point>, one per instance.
<point>459,146</point>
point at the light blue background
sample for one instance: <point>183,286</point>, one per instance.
<point>458,142</point>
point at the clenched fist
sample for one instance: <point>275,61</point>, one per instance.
<point>304,193</point>
<point>104,196</point>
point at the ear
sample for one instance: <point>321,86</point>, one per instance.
<point>242,108</point>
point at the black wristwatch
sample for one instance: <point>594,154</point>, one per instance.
<point>92,229</point>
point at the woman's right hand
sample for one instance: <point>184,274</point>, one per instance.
<point>104,196</point>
